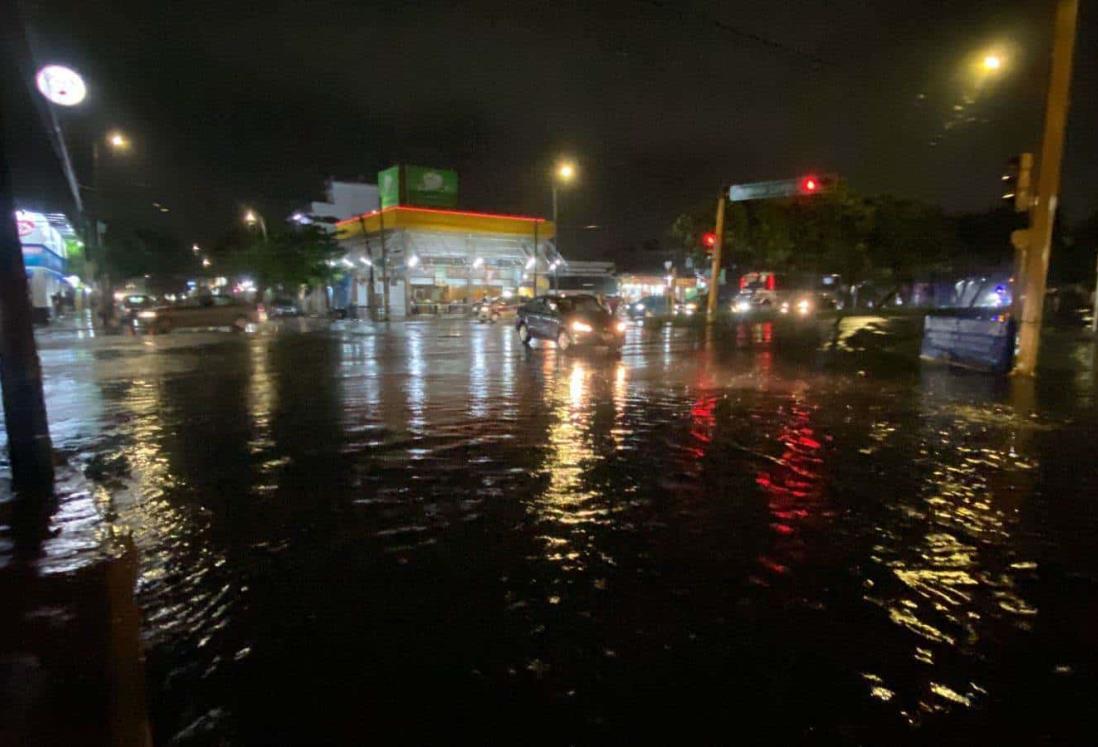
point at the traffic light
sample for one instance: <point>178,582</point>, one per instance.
<point>709,240</point>
<point>1016,182</point>
<point>812,184</point>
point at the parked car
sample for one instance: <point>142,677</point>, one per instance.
<point>283,307</point>
<point>205,311</point>
<point>570,321</point>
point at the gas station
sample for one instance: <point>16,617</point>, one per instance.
<point>418,254</point>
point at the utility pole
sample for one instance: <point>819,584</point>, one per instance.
<point>534,293</point>
<point>715,271</point>
<point>29,447</point>
<point>371,300</point>
<point>1039,239</point>
<point>384,260</point>
<point>1094,321</point>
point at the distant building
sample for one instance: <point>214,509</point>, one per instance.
<point>344,200</point>
<point>44,255</point>
<point>435,259</point>
<point>575,277</point>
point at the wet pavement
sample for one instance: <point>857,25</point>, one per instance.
<point>349,533</point>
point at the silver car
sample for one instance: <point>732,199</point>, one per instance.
<point>205,311</point>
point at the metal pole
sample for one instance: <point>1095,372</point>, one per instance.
<point>384,263</point>
<point>715,270</point>
<point>371,300</point>
<point>1033,282</point>
<point>1094,321</point>
<point>556,224</point>
<point>534,290</point>
<point>29,447</point>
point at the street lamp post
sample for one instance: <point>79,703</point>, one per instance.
<point>252,218</point>
<point>564,173</point>
<point>118,143</point>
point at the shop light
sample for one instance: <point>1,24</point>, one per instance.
<point>530,263</point>
<point>413,260</point>
<point>366,261</point>
<point>478,262</point>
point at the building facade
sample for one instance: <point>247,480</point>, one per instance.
<point>433,260</point>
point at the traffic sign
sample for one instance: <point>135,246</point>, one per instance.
<point>802,185</point>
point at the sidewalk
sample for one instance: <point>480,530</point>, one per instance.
<point>71,664</point>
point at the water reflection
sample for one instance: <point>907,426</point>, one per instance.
<point>349,526</point>
<point>956,577</point>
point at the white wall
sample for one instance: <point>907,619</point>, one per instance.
<point>347,199</point>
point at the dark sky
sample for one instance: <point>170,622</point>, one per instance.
<point>659,102</point>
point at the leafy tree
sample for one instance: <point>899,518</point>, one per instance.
<point>134,252</point>
<point>288,258</point>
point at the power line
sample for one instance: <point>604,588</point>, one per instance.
<point>738,32</point>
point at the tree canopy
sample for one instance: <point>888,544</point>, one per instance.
<point>288,257</point>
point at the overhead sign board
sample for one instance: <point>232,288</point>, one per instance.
<point>418,186</point>
<point>801,186</point>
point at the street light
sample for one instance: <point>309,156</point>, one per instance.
<point>118,141</point>
<point>993,62</point>
<point>61,85</point>
<point>564,173</point>
<point>252,218</point>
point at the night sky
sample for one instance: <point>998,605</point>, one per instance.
<point>659,102</point>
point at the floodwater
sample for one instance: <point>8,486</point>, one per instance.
<point>430,533</point>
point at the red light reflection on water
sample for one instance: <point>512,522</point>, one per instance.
<point>794,487</point>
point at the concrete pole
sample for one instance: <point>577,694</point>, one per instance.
<point>384,263</point>
<point>715,271</point>
<point>29,447</point>
<point>535,286</point>
<point>1094,321</point>
<point>1035,276</point>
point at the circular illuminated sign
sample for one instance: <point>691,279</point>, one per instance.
<point>61,85</point>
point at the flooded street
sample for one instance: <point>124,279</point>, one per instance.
<point>427,532</point>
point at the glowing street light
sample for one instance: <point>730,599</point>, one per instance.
<point>61,85</point>
<point>564,173</point>
<point>252,218</point>
<point>992,62</point>
<point>206,262</point>
<point>118,141</point>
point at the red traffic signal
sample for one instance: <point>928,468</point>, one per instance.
<point>810,185</point>
<point>709,240</point>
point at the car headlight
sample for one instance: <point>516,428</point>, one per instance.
<point>803,306</point>
<point>146,315</point>
<point>784,308</point>
<point>581,327</point>
<point>742,306</point>
<point>691,307</point>
<point>638,307</point>
<point>620,327</point>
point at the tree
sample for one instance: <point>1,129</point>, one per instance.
<point>288,258</point>
<point>882,238</point>
<point>135,252</point>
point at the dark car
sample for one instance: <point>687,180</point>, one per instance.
<point>282,307</point>
<point>570,321</point>
<point>647,306</point>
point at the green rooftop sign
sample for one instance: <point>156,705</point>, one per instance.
<point>418,186</point>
